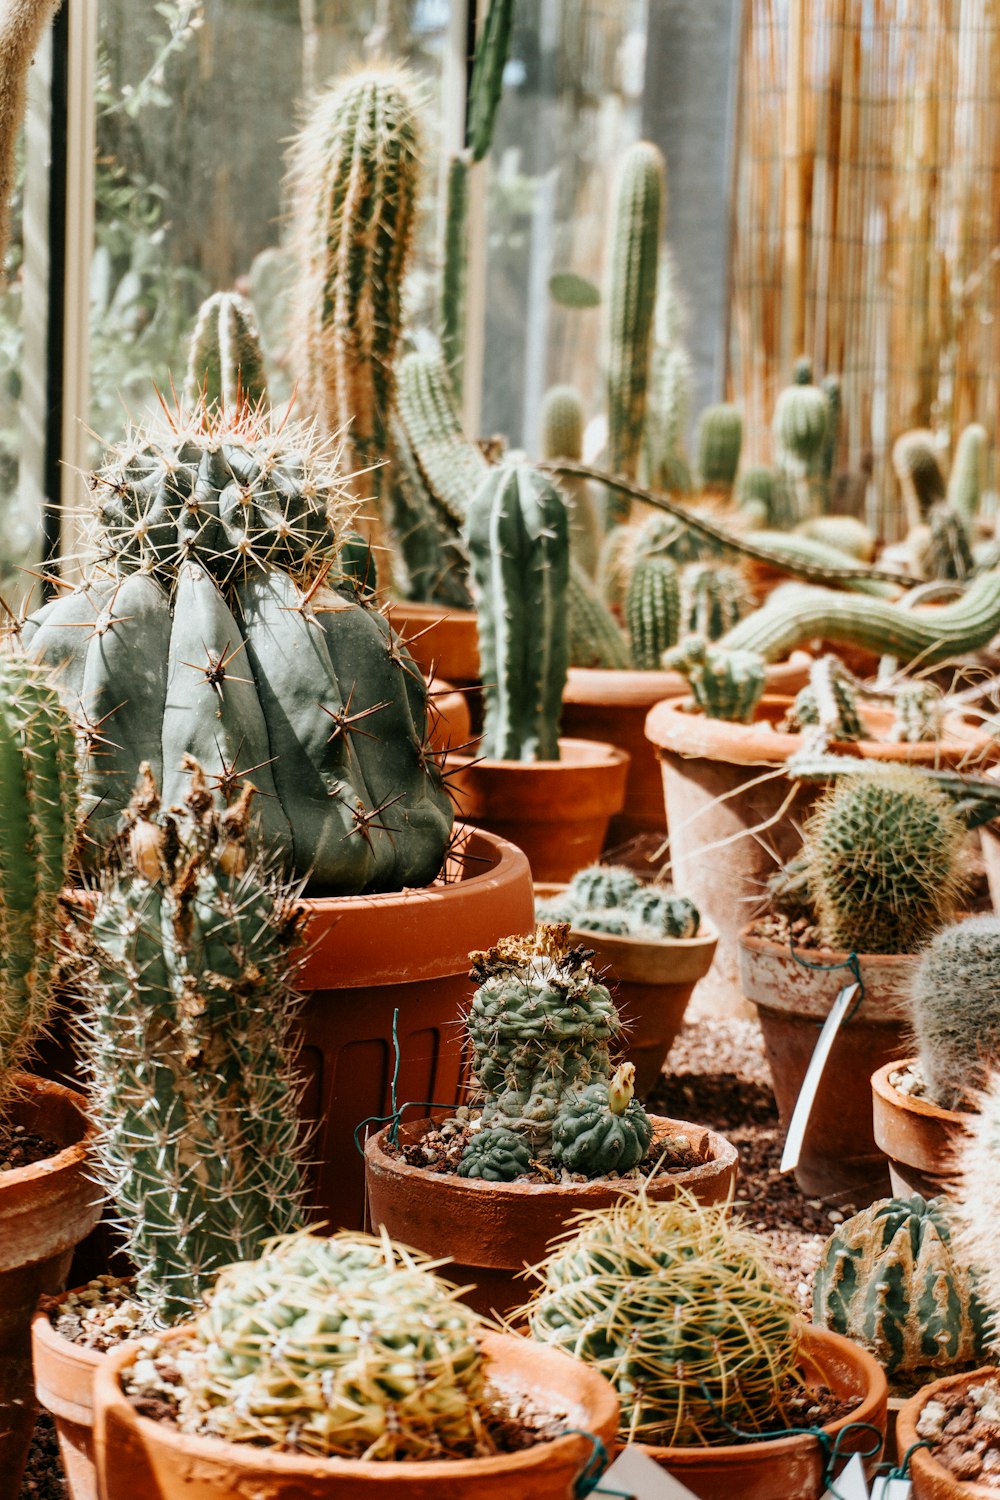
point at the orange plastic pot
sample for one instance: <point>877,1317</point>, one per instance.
<point>139,1459</point>
<point>492,1230</point>
<point>45,1210</point>
<point>64,1386</point>
<point>789,1468</point>
<point>931,1480</point>
<point>839,1161</point>
<point>612,706</point>
<point>443,642</point>
<point>557,811</point>
<point>733,814</point>
<point>920,1138</point>
<point>368,957</point>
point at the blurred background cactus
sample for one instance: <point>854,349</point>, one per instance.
<point>955,1010</point>
<point>612,899</point>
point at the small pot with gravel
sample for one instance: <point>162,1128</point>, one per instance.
<point>653,945</point>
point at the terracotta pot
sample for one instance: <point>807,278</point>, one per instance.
<point>788,1468</point>
<point>64,1386</point>
<point>723,851</point>
<point>652,982</point>
<point>368,956</point>
<point>557,811</point>
<point>443,642</point>
<point>612,706</point>
<point>931,1480</point>
<point>45,1210</point>
<point>919,1137</point>
<point>492,1230</point>
<point>839,1161</point>
<point>451,721</point>
<point>140,1459</point>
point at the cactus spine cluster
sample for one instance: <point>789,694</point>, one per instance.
<point>725,684</point>
<point>225,363</point>
<point>637,218</point>
<point>890,1279</point>
<point>354,183</point>
<point>612,899</point>
<point>349,1347</point>
<point>518,538</point>
<point>39,799</point>
<point>652,611</point>
<point>189,1008</point>
<point>680,1307</point>
<point>883,856</point>
<point>955,1009</point>
<point>720,438</point>
<point>541,1026</point>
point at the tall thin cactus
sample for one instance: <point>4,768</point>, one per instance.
<point>225,362</point>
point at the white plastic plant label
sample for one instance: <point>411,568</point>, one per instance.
<point>891,1489</point>
<point>850,1483</point>
<point>814,1072</point>
<point>634,1473</point>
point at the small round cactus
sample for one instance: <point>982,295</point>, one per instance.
<point>955,1009</point>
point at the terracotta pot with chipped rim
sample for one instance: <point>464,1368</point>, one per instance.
<point>557,811</point>
<point>788,1468</point>
<point>652,980</point>
<point>141,1459</point>
<point>919,1138</point>
<point>367,957</point>
<point>64,1385</point>
<point>46,1209</point>
<point>442,640</point>
<point>733,815</point>
<point>492,1230</point>
<point>611,705</point>
<point>839,1161</point>
<point>931,1480</point>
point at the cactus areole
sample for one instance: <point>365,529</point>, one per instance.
<point>220,621</point>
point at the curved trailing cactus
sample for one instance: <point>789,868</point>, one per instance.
<point>225,363</point>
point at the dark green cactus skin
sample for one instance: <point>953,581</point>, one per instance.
<point>720,438</point>
<point>518,539</point>
<point>637,217</point>
<point>496,1156</point>
<point>39,797</point>
<point>955,1009</point>
<point>486,85</point>
<point>454,269</point>
<point>589,1138</point>
<point>453,468</point>
<point>189,1009</point>
<point>225,363</point>
<point>652,611</point>
<point>889,1278</point>
<point>595,639</point>
<point>726,683</point>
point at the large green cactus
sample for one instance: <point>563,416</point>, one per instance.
<point>188,1018</point>
<point>218,624</point>
<point>637,219</point>
<point>652,610</point>
<point>540,1027</point>
<point>225,363</point>
<point>889,1279</point>
<point>518,538</point>
<point>39,800</point>
<point>354,184</point>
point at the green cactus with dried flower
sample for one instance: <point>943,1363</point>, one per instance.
<point>218,621</point>
<point>225,363</point>
<point>725,683</point>
<point>681,1309</point>
<point>890,1278</point>
<point>541,1027</point>
<point>955,1009</point>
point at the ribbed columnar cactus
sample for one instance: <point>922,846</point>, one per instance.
<point>219,622</point>
<point>562,437</point>
<point>541,1026</point>
<point>759,496</point>
<point>955,1010</point>
<point>830,386</point>
<point>669,402</point>
<point>189,1008</point>
<point>354,184</point>
<point>883,851</point>
<point>612,898</point>
<point>225,363</point>
<point>713,599</point>
<point>518,538</point>
<point>428,556</point>
<point>486,84</point>
<point>349,1347</point>
<point>39,802</point>
<point>637,218</point>
<point>452,467</point>
<point>652,610</point>
<point>965,482</point>
<point>720,438</point>
<point>890,1279</point>
<point>915,458</point>
<point>725,684</point>
<point>683,1311</point>
<point>595,638</point>
<point>454,268</point>
<point>801,418</point>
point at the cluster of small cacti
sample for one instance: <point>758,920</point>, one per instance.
<point>680,1307</point>
<point>189,1009</point>
<point>890,1279</point>
<point>612,899</point>
<point>955,1009</point>
<point>883,855</point>
<point>541,1027</point>
<point>219,623</point>
<point>725,683</point>
<point>349,1346</point>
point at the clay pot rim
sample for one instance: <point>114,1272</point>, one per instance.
<point>814,1340</point>
<point>723,1155</point>
<point>630,687</point>
<point>601,1395</point>
<point>745,939</point>
<point>755,745</point>
<point>922,1461</point>
<point>25,1084</point>
<point>587,755</point>
<point>910,1103</point>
